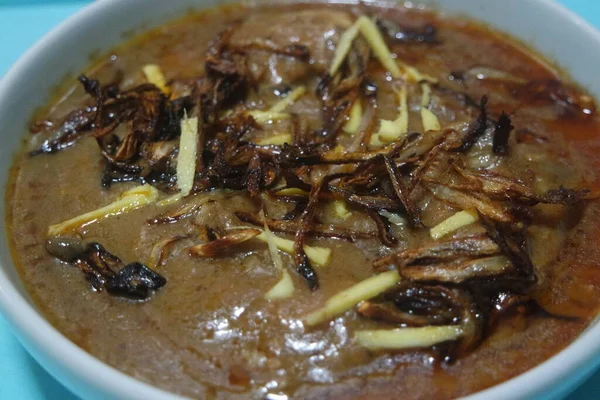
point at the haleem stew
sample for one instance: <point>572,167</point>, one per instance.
<point>314,201</point>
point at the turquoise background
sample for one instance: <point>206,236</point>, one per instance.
<point>21,24</point>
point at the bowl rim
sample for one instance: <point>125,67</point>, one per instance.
<point>32,329</point>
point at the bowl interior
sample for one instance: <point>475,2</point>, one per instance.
<point>106,23</point>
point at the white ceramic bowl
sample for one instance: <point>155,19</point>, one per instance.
<point>548,27</point>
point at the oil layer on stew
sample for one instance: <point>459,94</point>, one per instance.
<point>314,201</point>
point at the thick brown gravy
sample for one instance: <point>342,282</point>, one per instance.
<point>210,333</point>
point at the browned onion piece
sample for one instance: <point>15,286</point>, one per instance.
<point>303,265</point>
<point>402,192</point>
<point>388,312</point>
<point>457,271</point>
<point>472,321</point>
<point>428,162</point>
<point>383,229</point>
<point>105,271</point>
<point>478,128</point>
<point>438,252</point>
<point>412,304</point>
<point>513,245</point>
<point>70,130</point>
<point>160,251</point>
<point>318,230</point>
<point>212,249</point>
<point>367,201</point>
<point>494,210</point>
<point>157,152</point>
<point>500,187</point>
<point>494,184</point>
<point>182,212</point>
<point>436,305</point>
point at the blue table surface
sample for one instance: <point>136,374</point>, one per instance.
<point>22,22</point>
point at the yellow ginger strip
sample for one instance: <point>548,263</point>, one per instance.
<point>393,218</point>
<point>425,94</point>
<point>343,48</point>
<point>129,200</point>
<point>188,150</point>
<point>186,161</point>
<point>155,76</point>
<point>430,121</point>
<point>371,33</point>
<point>346,299</point>
<point>320,256</point>
<point>222,243</point>
<point>390,131</point>
<point>341,209</point>
<point>412,74</point>
<point>282,289</point>
<point>285,286</point>
<point>408,338</point>
<point>353,123</point>
<point>276,110</point>
<point>339,149</point>
<point>170,200</point>
<point>369,30</point>
<point>393,130</point>
<point>428,118</point>
<point>453,223</point>
<point>263,117</point>
<point>289,99</point>
<point>275,140</point>
<point>375,141</point>
<point>291,192</point>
